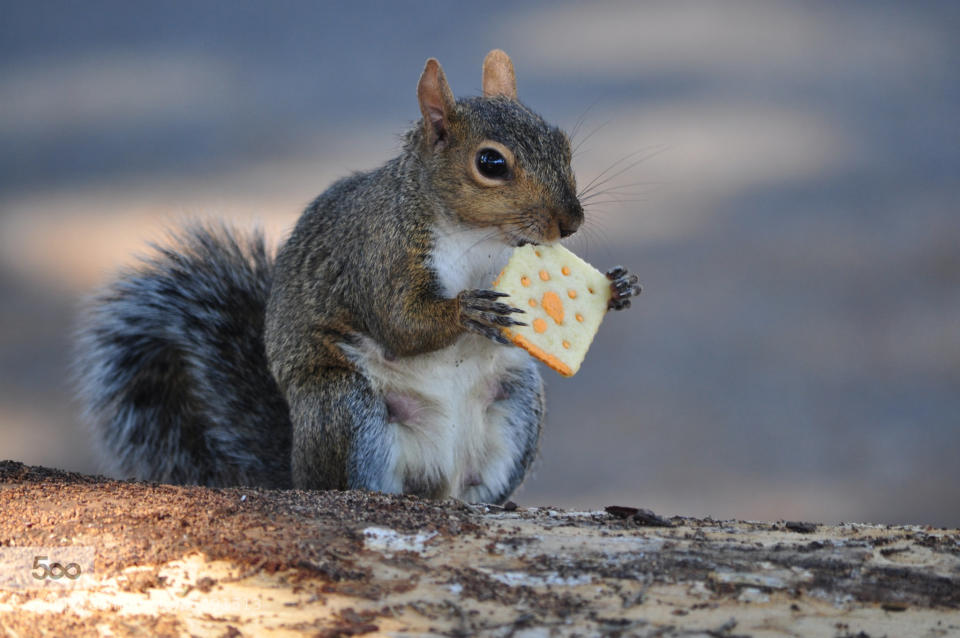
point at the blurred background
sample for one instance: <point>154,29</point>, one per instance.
<point>794,219</point>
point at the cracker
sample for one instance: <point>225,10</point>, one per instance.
<point>565,299</point>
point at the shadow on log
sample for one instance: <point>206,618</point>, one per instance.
<point>127,558</point>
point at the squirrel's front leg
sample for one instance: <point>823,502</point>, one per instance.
<point>422,324</point>
<point>623,286</point>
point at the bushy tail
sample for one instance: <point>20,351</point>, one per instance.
<point>172,369</point>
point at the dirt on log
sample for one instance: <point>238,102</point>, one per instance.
<point>88,556</point>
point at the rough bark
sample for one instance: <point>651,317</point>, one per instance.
<point>169,560</point>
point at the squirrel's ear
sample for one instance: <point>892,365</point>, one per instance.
<point>436,101</point>
<point>498,75</point>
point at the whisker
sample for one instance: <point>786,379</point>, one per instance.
<point>589,135</point>
<point>657,150</point>
<point>608,194</point>
<point>622,189</point>
<point>590,236</point>
<point>586,189</point>
<point>582,119</point>
<point>615,200</point>
<point>485,237</point>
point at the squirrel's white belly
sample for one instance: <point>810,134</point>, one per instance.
<point>448,419</point>
<point>448,429</point>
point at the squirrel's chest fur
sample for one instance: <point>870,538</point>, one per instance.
<point>448,426</point>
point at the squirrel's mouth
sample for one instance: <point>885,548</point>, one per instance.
<point>517,240</point>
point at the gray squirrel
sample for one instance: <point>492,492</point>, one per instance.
<point>368,354</point>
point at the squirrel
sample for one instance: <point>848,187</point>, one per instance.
<point>368,354</point>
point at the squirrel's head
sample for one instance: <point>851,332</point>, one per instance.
<point>492,161</point>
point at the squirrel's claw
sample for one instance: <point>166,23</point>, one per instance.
<point>500,320</point>
<point>485,294</point>
<point>492,307</point>
<point>616,272</point>
<point>623,286</point>
<point>489,332</point>
<point>481,314</point>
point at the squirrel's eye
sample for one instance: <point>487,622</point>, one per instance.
<point>492,164</point>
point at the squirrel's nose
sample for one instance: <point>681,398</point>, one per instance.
<point>570,220</point>
<point>568,228</point>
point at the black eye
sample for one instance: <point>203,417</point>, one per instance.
<point>492,164</point>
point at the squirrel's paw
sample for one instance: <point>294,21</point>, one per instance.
<point>623,286</point>
<point>480,312</point>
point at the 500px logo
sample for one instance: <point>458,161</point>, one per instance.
<point>69,566</point>
<point>55,571</point>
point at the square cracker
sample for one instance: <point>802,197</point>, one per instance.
<point>565,299</point>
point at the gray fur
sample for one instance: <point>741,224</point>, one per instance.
<point>212,364</point>
<point>172,370</point>
<point>357,264</point>
<point>525,408</point>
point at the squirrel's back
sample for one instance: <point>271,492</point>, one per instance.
<point>172,368</point>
